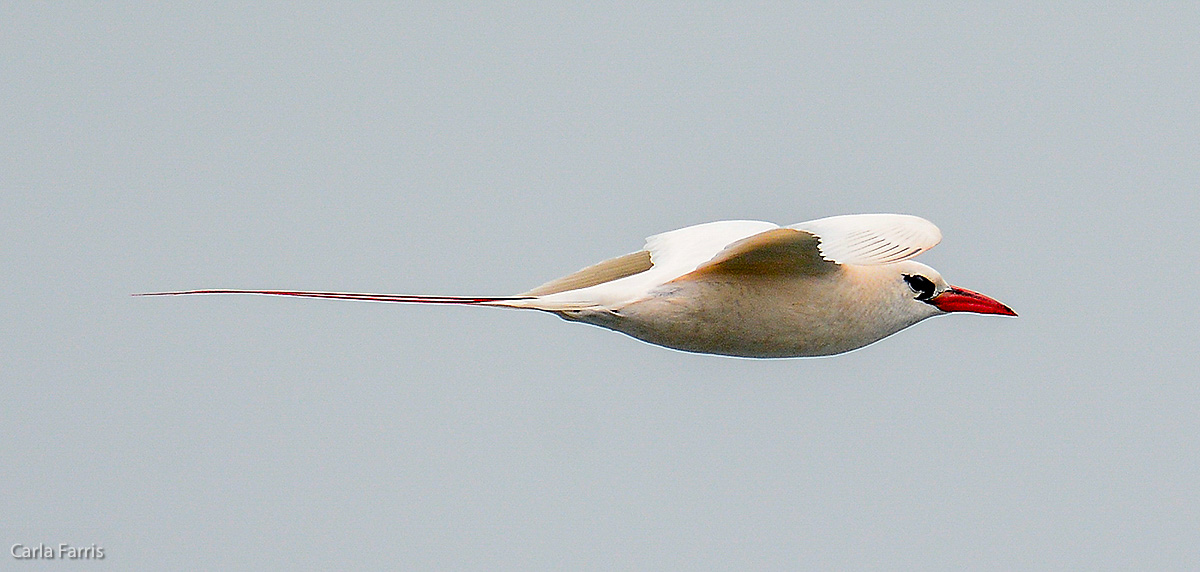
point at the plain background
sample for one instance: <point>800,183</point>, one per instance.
<point>486,148</point>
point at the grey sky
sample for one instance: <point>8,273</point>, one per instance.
<point>486,149</point>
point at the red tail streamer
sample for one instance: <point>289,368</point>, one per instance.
<point>353,296</point>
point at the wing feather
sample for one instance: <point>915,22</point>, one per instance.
<point>872,239</point>
<point>607,271</point>
<point>776,252</point>
<point>744,247</point>
<point>671,255</point>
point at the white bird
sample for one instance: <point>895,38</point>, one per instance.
<point>746,288</point>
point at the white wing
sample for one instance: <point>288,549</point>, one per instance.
<point>672,255</point>
<point>680,251</point>
<point>872,239</point>
<point>869,239</point>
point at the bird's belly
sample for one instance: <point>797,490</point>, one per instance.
<point>747,319</point>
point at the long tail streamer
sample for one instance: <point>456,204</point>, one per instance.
<point>355,296</point>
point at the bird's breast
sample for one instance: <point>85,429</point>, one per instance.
<point>753,317</point>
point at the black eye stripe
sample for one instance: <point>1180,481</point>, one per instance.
<point>921,285</point>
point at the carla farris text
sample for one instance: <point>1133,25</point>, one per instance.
<point>62,551</point>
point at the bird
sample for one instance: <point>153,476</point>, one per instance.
<point>744,288</point>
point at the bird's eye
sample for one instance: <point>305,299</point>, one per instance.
<point>921,285</point>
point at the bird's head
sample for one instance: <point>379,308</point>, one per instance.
<point>926,293</point>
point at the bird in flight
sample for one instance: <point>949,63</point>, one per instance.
<point>745,288</point>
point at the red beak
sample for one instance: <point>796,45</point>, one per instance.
<point>955,299</point>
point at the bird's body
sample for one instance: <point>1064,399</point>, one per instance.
<point>760,316</point>
<point>748,288</point>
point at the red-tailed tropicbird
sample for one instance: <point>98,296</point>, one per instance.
<point>746,288</point>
